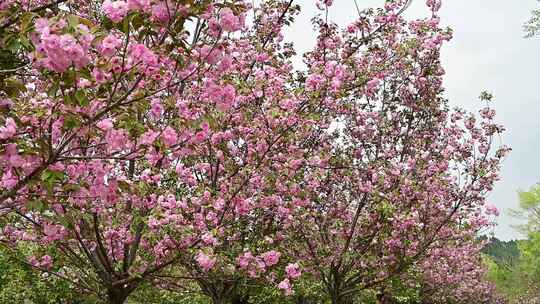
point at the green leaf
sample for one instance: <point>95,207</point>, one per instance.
<point>13,87</point>
<point>82,98</point>
<point>46,175</point>
<point>125,24</point>
<point>124,186</point>
<point>71,122</point>
<point>27,44</point>
<point>35,205</point>
<point>52,91</point>
<point>71,187</point>
<point>65,222</point>
<point>73,20</point>
<point>26,22</point>
<point>137,22</point>
<point>68,99</point>
<point>70,77</point>
<point>14,45</point>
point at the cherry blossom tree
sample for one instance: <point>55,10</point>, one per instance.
<point>456,274</point>
<point>173,143</point>
<point>452,273</point>
<point>136,145</point>
<point>406,174</point>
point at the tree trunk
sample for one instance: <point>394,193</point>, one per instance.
<point>117,296</point>
<point>237,299</point>
<point>382,298</point>
<point>300,299</point>
<point>339,298</point>
<point>227,299</point>
<point>216,300</point>
<point>222,292</point>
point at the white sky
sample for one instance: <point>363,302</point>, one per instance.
<point>488,52</point>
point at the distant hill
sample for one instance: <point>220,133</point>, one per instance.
<point>502,252</point>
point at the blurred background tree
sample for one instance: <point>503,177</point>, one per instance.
<point>532,27</point>
<point>514,266</point>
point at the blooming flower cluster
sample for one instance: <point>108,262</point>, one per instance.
<point>206,262</point>
<point>9,129</point>
<point>60,51</point>
<point>116,10</point>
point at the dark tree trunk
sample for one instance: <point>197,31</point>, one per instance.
<point>383,298</point>
<point>303,300</point>
<point>223,292</point>
<point>229,299</point>
<point>338,290</point>
<point>237,299</point>
<point>217,300</point>
<point>117,296</point>
<point>340,299</point>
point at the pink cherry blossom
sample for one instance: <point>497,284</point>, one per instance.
<point>271,258</point>
<point>293,271</point>
<point>53,232</point>
<point>170,137</point>
<point>245,259</point>
<point>115,10</point>
<point>105,124</point>
<point>228,21</point>
<point>109,45</point>
<point>138,4</point>
<point>9,179</point>
<point>46,262</point>
<point>206,262</point>
<point>492,210</point>
<point>160,12</point>
<point>156,108</point>
<point>285,286</point>
<point>9,129</point>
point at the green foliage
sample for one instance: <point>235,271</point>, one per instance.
<point>529,209</point>
<point>149,295</point>
<point>504,253</point>
<point>505,278</point>
<point>530,257</point>
<point>515,266</point>
<point>520,280</point>
<point>20,284</point>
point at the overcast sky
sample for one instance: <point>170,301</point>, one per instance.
<point>488,52</point>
